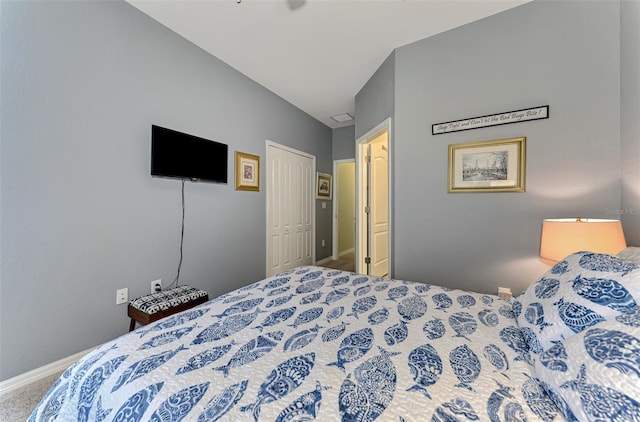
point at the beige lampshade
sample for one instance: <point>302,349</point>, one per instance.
<point>564,236</point>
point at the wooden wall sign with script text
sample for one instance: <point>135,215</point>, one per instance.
<point>506,118</point>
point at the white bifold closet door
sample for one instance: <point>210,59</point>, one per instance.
<point>290,200</point>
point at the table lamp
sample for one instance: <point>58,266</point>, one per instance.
<point>563,236</point>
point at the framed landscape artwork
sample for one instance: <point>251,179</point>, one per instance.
<point>488,166</point>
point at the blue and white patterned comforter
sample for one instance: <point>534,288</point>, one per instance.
<point>314,343</point>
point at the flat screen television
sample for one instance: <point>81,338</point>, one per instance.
<point>183,156</point>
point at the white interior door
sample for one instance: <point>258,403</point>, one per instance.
<point>379,207</point>
<point>302,199</point>
<point>372,254</point>
<point>290,213</point>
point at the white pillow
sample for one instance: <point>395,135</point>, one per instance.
<point>630,253</point>
<point>595,375</point>
<point>577,293</point>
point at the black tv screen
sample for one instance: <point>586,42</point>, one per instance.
<point>177,154</point>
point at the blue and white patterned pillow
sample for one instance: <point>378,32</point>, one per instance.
<point>577,293</point>
<point>595,375</point>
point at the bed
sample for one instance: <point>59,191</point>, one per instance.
<point>319,344</point>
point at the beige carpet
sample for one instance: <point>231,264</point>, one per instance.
<point>18,405</point>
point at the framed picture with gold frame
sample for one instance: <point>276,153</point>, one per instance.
<point>488,166</point>
<point>247,172</point>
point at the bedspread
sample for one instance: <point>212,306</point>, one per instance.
<point>314,343</point>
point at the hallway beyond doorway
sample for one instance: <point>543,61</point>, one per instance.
<point>344,263</point>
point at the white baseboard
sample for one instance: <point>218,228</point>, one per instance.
<point>343,253</point>
<point>12,384</point>
<point>330,258</point>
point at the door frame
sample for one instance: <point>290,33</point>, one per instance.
<point>312,204</point>
<point>336,185</point>
<point>361,190</point>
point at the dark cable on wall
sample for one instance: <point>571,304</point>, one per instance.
<point>177,279</point>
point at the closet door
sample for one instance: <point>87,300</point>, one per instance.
<point>289,209</point>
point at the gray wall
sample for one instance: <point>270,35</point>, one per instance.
<point>80,215</point>
<point>565,54</point>
<point>629,122</point>
<point>376,100</point>
<point>324,220</point>
<point>344,143</point>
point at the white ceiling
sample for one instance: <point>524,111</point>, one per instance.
<point>316,54</point>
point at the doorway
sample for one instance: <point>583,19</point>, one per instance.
<point>373,215</point>
<point>290,208</point>
<point>344,212</point>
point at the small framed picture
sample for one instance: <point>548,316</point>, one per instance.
<point>247,172</point>
<point>489,166</point>
<point>323,186</point>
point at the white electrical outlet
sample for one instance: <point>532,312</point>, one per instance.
<point>156,286</point>
<point>504,292</point>
<point>323,243</point>
<point>122,296</point>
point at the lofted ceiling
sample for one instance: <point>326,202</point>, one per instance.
<point>316,54</point>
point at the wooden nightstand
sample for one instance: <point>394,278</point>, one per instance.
<point>152,307</point>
